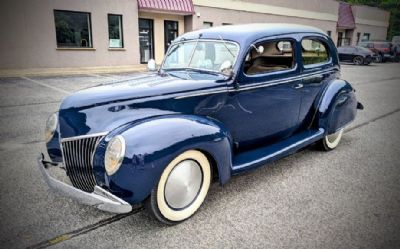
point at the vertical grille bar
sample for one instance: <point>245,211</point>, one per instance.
<point>78,161</point>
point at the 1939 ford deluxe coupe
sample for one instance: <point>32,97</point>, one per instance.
<point>225,100</point>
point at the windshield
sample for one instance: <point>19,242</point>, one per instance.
<point>204,55</point>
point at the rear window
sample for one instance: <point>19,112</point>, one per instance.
<point>314,51</point>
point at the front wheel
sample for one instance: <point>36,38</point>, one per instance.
<point>331,141</point>
<point>182,188</point>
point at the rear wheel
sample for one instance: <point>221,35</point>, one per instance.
<point>358,60</point>
<point>331,141</point>
<point>182,188</point>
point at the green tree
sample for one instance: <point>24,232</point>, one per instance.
<point>390,5</point>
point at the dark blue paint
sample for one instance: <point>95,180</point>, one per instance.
<point>240,122</point>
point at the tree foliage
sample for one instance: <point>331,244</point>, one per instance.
<point>390,5</point>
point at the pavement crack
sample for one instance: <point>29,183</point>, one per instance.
<point>30,104</point>
<point>375,81</point>
<point>83,230</point>
<point>372,120</point>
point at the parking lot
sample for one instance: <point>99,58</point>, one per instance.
<point>346,198</point>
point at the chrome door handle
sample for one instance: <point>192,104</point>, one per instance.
<point>298,86</point>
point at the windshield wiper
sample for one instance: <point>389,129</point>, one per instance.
<point>194,50</point>
<point>226,46</point>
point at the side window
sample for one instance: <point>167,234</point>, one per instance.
<point>313,51</point>
<point>270,56</point>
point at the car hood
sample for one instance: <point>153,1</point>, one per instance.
<point>105,107</point>
<point>139,87</point>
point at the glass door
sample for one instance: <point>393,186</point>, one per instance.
<point>170,33</point>
<point>146,40</point>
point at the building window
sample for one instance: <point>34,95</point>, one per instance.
<point>115,36</point>
<point>314,52</point>
<point>146,40</point>
<point>207,25</point>
<point>329,33</point>
<point>365,37</point>
<point>170,33</point>
<point>73,29</point>
<point>358,37</point>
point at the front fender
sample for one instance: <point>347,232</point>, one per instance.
<point>338,106</point>
<point>152,143</point>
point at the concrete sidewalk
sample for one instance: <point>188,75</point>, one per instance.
<point>70,71</point>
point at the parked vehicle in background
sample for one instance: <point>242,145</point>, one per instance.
<point>396,48</point>
<point>383,49</point>
<point>356,55</point>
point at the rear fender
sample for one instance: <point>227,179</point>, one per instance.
<point>152,143</point>
<point>338,106</point>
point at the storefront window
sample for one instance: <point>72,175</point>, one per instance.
<point>115,31</point>
<point>365,37</point>
<point>146,40</point>
<point>170,33</point>
<point>73,29</point>
<point>207,25</point>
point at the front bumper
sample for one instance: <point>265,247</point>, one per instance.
<point>99,198</point>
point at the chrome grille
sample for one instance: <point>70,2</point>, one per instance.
<point>77,154</point>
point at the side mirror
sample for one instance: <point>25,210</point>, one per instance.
<point>151,65</point>
<point>226,68</point>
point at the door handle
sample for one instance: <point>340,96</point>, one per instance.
<point>298,86</point>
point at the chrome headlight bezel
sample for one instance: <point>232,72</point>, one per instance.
<point>51,127</point>
<point>114,154</point>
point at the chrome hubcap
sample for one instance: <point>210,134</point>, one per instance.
<point>183,184</point>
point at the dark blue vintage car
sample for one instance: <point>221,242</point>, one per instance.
<point>225,100</point>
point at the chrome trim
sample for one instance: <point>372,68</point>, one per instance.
<point>84,136</point>
<point>99,198</point>
<point>202,93</point>
<point>258,85</point>
<point>78,160</point>
<point>319,133</point>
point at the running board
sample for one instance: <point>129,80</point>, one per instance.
<point>261,156</point>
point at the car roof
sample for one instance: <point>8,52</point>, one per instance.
<point>246,33</point>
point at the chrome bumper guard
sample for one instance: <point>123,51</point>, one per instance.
<point>99,198</point>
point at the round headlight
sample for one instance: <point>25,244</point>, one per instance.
<point>51,126</point>
<point>115,153</point>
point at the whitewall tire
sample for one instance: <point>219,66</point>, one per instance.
<point>331,141</point>
<point>182,188</point>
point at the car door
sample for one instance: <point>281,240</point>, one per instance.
<point>263,104</point>
<point>343,56</point>
<point>352,53</point>
<point>317,71</point>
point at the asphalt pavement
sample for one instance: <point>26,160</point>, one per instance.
<point>346,198</point>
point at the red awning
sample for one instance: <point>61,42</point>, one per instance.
<point>176,6</point>
<point>346,18</point>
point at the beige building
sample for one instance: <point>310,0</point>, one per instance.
<point>95,33</point>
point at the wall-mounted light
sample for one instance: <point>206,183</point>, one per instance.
<point>198,14</point>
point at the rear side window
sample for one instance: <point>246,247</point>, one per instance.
<point>313,51</point>
<point>270,56</point>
